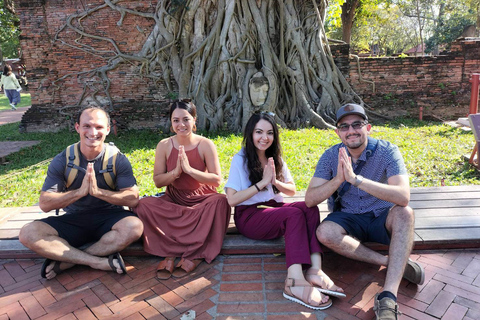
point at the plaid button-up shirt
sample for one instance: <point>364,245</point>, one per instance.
<point>385,162</point>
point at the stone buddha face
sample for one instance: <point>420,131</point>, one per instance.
<point>258,87</point>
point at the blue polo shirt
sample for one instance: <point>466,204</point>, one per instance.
<point>385,162</point>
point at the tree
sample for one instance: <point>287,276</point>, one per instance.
<point>209,50</point>
<point>386,30</point>
<point>348,15</point>
<point>9,31</point>
<point>424,14</point>
<point>440,21</point>
<point>475,5</point>
<point>344,13</point>
<point>447,30</point>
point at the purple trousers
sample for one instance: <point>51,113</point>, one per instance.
<point>295,221</point>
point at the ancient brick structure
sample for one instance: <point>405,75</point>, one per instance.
<point>55,68</point>
<point>440,84</point>
<point>58,79</point>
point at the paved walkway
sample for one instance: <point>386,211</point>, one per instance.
<point>10,116</point>
<point>8,147</point>
<point>235,287</point>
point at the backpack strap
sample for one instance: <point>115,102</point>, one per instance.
<point>108,165</point>
<point>71,169</point>
<point>73,162</point>
<point>371,147</point>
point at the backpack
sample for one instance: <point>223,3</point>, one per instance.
<point>108,164</point>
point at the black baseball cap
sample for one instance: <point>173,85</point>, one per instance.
<point>350,108</point>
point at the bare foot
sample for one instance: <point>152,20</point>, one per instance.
<point>319,279</point>
<point>55,268</point>
<point>116,264</point>
<point>113,262</point>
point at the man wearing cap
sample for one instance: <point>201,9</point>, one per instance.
<point>367,187</point>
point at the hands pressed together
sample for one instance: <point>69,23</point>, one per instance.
<point>345,169</point>
<point>182,163</point>
<point>89,183</point>
<point>269,174</point>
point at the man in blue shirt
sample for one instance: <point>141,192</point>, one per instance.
<point>367,187</point>
<point>94,210</point>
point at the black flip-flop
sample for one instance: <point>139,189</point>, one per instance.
<point>120,262</point>
<point>56,267</point>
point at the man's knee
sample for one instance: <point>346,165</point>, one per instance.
<point>328,232</point>
<point>401,217</point>
<point>404,214</point>
<point>25,235</point>
<point>130,227</point>
<point>32,232</point>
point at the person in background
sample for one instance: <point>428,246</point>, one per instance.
<point>11,86</point>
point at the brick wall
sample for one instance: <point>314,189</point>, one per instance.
<point>439,84</point>
<point>137,100</point>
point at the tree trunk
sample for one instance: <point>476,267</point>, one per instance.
<point>348,15</point>
<point>420,27</point>
<point>477,31</point>
<point>213,48</point>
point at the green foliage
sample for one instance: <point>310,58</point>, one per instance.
<point>9,33</point>
<point>25,101</point>
<point>448,29</point>
<point>392,26</point>
<point>388,96</point>
<point>432,152</point>
<point>171,95</point>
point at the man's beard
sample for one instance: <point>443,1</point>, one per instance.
<point>354,145</point>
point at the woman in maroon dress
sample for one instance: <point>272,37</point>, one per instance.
<point>190,220</point>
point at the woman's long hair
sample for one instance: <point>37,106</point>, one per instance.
<point>254,166</point>
<point>7,70</point>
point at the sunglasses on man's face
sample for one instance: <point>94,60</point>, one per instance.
<point>355,125</point>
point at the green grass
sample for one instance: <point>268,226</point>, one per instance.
<point>432,152</point>
<point>25,101</point>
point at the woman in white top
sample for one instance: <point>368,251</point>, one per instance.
<point>11,86</point>
<point>258,178</point>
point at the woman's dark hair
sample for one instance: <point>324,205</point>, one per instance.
<point>7,70</point>
<point>185,104</point>
<point>254,166</point>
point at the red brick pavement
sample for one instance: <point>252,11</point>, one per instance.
<point>235,287</point>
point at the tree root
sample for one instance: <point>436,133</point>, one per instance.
<point>211,49</point>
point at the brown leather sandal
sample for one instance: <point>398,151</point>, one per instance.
<point>165,268</point>
<point>185,267</point>
<point>305,299</point>
<point>326,286</point>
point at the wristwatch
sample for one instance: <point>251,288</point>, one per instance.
<point>358,180</point>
